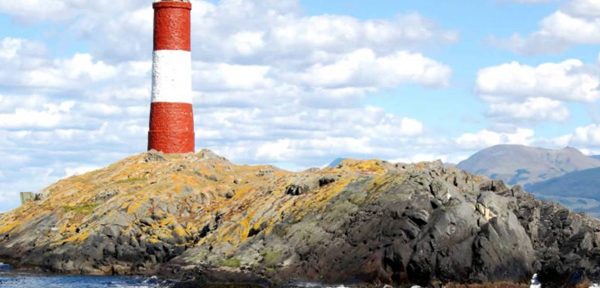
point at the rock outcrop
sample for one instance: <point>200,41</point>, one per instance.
<point>200,218</point>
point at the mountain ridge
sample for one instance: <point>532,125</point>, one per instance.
<point>584,183</point>
<point>519,164</point>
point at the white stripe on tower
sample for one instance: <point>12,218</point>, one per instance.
<point>171,113</point>
<point>171,77</point>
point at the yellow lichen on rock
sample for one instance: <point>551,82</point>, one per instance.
<point>181,200</point>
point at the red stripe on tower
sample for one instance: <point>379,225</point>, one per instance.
<point>171,113</point>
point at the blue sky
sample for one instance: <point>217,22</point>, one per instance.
<point>298,83</point>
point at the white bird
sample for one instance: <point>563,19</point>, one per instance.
<point>535,283</point>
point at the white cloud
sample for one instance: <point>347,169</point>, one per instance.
<point>338,33</point>
<point>276,150</point>
<point>306,134</point>
<point>79,170</point>
<point>226,77</point>
<point>565,80</point>
<point>24,64</point>
<point>584,8</point>
<point>248,43</point>
<point>64,73</point>
<point>516,92</point>
<point>486,138</point>
<point>409,127</point>
<point>50,117</point>
<point>577,22</point>
<point>584,136</point>
<point>539,109</point>
<point>363,68</point>
<point>255,31</point>
<point>35,9</point>
<point>11,48</point>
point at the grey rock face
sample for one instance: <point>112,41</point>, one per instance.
<point>424,225</point>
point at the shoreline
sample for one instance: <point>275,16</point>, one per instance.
<point>35,272</point>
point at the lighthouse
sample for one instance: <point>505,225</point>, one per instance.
<point>171,112</point>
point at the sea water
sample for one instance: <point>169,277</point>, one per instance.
<point>10,279</point>
<point>41,281</point>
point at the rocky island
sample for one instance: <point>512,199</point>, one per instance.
<point>199,218</point>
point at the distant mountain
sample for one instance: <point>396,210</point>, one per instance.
<point>580,184</point>
<point>518,164</point>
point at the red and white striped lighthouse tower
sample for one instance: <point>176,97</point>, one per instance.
<point>171,113</point>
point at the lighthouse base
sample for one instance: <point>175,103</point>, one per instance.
<point>171,128</point>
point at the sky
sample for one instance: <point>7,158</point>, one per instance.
<point>298,83</point>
